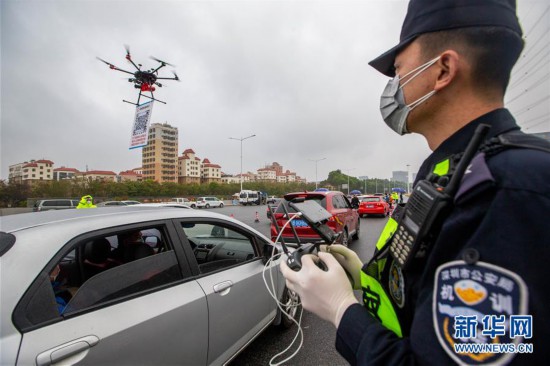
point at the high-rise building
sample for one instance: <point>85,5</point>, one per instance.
<point>399,176</point>
<point>160,156</point>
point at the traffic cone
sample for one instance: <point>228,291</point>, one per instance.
<point>257,219</point>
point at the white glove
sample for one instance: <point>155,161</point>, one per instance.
<point>347,259</point>
<point>325,293</point>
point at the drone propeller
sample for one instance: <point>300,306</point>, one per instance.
<point>162,62</point>
<point>129,57</point>
<point>108,63</point>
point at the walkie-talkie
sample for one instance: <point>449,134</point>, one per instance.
<point>427,208</point>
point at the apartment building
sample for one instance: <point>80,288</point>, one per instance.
<point>63,173</point>
<point>129,176</point>
<point>31,171</point>
<point>160,155</point>
<point>98,175</point>
<point>189,168</point>
<point>210,172</point>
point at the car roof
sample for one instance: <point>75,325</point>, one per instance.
<point>163,204</point>
<point>319,194</point>
<point>110,215</point>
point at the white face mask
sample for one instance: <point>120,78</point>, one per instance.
<point>392,102</point>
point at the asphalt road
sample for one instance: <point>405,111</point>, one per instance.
<point>319,335</point>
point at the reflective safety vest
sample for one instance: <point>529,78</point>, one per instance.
<point>381,278</point>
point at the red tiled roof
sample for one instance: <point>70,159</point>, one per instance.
<point>212,166</point>
<point>188,151</point>
<point>30,165</point>
<point>129,172</point>
<point>197,159</point>
<point>206,161</point>
<point>44,161</point>
<point>99,172</point>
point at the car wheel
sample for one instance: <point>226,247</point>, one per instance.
<point>193,206</point>
<point>221,205</point>
<point>207,205</point>
<point>356,235</point>
<point>345,238</point>
<point>290,302</point>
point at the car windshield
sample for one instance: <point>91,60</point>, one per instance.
<point>371,199</point>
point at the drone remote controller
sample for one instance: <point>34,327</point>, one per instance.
<point>294,260</point>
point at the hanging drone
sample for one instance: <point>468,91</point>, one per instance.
<point>145,81</point>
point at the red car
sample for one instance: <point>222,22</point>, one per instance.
<point>373,205</point>
<point>344,219</point>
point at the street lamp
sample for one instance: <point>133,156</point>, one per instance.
<point>349,170</point>
<point>241,140</point>
<point>316,161</point>
<point>408,178</point>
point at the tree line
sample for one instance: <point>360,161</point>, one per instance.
<point>17,194</point>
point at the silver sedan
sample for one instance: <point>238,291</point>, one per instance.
<point>132,286</point>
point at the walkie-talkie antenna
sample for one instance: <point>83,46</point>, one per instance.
<point>471,149</point>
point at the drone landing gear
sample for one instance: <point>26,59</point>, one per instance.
<point>152,97</point>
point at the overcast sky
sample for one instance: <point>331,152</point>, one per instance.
<point>294,73</point>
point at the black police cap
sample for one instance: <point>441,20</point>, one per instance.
<point>425,16</point>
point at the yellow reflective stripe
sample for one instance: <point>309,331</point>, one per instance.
<point>386,234</point>
<point>442,167</point>
<point>385,312</point>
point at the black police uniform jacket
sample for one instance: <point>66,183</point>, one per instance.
<point>505,221</point>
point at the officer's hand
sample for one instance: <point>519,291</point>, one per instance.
<point>349,260</point>
<point>325,293</point>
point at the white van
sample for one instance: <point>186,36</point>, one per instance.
<point>247,197</point>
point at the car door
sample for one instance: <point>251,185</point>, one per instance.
<point>145,311</point>
<point>229,270</point>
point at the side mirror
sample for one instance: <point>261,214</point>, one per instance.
<point>268,251</point>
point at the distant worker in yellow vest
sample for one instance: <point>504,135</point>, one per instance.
<point>395,197</point>
<point>86,201</point>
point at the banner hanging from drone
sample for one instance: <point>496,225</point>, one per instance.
<point>141,125</point>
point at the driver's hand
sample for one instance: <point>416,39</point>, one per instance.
<point>349,260</point>
<point>325,293</point>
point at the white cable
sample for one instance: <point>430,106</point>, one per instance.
<point>273,293</point>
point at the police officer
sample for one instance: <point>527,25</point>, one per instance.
<point>480,295</point>
<point>86,201</point>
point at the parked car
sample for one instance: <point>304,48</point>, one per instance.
<point>111,204</point>
<point>185,201</point>
<point>345,220</point>
<point>131,202</point>
<point>54,204</point>
<point>163,204</point>
<point>131,285</point>
<point>208,202</point>
<point>373,205</point>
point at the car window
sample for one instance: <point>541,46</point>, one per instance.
<point>48,203</point>
<point>371,199</point>
<point>99,271</point>
<point>217,247</point>
<point>339,202</point>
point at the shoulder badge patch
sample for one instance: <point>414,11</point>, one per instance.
<point>476,308</point>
